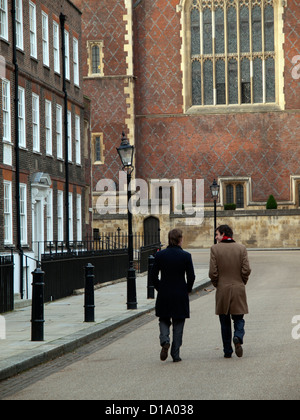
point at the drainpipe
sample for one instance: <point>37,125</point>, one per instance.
<point>17,148</point>
<point>62,19</point>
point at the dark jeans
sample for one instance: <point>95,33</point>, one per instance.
<point>164,337</point>
<point>238,323</point>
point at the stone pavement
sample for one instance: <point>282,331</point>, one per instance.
<point>64,327</point>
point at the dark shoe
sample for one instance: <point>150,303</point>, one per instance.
<point>227,356</point>
<point>164,351</point>
<point>238,347</point>
<point>177,360</point>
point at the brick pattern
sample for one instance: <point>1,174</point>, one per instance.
<point>263,147</point>
<point>157,58</point>
<point>292,49</point>
<point>169,144</point>
<point>104,21</point>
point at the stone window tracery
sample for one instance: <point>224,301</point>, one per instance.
<point>231,52</point>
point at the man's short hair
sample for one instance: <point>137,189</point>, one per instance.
<point>175,236</point>
<point>226,230</point>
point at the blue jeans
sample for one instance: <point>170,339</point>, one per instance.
<point>238,323</point>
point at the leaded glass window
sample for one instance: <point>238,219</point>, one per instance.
<point>234,194</point>
<point>232,52</point>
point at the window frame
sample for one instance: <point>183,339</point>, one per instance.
<point>19,25</point>
<point>79,217</point>
<point>59,132</point>
<point>36,123</point>
<point>56,47</point>
<point>48,127</point>
<point>69,119</point>
<point>4,22</point>
<point>7,111</point>
<point>23,214</point>
<point>67,54</point>
<point>77,140</point>
<point>60,215</point>
<point>45,39</point>
<point>7,212</point>
<point>90,45</point>
<point>185,6</point>
<point>71,218</point>
<point>32,29</point>
<point>76,61</point>
<point>49,215</point>
<point>234,185</point>
<point>102,148</point>
<point>235,180</point>
<point>22,117</point>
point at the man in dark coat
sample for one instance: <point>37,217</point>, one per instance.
<point>172,303</point>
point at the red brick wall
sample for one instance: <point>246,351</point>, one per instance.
<point>292,49</point>
<point>103,21</point>
<point>263,146</point>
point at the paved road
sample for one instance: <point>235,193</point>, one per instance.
<point>125,364</point>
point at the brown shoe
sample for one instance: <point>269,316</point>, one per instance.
<point>238,347</point>
<point>164,351</point>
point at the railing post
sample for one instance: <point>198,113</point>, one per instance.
<point>89,300</point>
<point>150,287</point>
<point>37,310</point>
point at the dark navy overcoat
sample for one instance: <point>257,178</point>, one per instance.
<point>175,283</point>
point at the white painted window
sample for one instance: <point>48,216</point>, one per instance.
<point>45,38</point>
<point>32,27</point>
<point>69,116</point>
<point>79,217</point>
<point>21,117</point>
<point>76,61</point>
<point>19,24</point>
<point>7,213</point>
<point>49,210</point>
<point>59,144</point>
<point>60,215</point>
<point>67,55</point>
<point>56,47</point>
<point>3,19</point>
<point>6,113</point>
<point>48,126</point>
<point>23,213</point>
<point>36,122</point>
<point>77,140</point>
<point>70,216</point>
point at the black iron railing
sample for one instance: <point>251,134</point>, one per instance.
<point>6,283</point>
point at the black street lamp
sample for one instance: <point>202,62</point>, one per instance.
<point>214,189</point>
<point>126,151</point>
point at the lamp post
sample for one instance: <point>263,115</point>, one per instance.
<point>214,189</point>
<point>126,152</point>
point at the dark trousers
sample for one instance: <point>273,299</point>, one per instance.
<point>239,331</point>
<point>164,337</point>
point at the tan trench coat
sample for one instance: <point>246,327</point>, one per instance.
<point>229,271</point>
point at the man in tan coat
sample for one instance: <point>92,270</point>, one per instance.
<point>229,271</point>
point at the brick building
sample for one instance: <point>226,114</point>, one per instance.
<point>44,155</point>
<point>204,89</point>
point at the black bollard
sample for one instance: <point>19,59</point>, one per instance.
<point>89,300</point>
<point>150,287</point>
<point>37,309</point>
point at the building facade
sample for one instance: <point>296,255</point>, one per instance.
<point>204,89</point>
<point>44,128</point>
